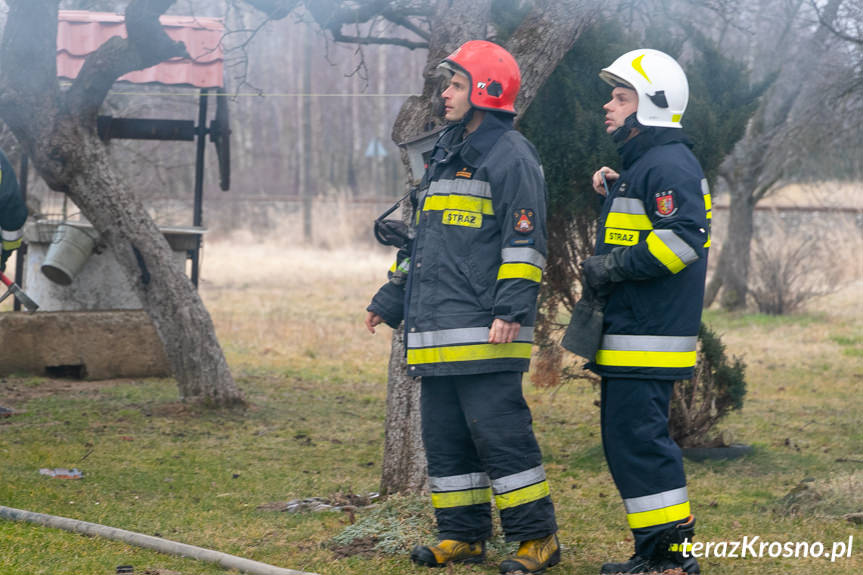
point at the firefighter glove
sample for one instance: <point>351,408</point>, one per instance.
<point>603,270</point>
<point>8,248</point>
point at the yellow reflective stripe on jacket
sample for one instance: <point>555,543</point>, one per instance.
<point>628,214</point>
<point>615,358</point>
<point>666,256</point>
<point>647,351</point>
<point>461,498</point>
<point>519,271</point>
<point>521,496</point>
<point>708,207</point>
<point>476,352</point>
<point>658,516</point>
<point>457,202</point>
<point>670,249</point>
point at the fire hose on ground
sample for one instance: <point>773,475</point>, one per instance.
<point>156,543</point>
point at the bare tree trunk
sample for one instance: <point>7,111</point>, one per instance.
<point>177,312</point>
<point>58,131</point>
<point>762,158</point>
<point>735,255</point>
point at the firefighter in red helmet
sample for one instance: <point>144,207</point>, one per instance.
<point>466,288</point>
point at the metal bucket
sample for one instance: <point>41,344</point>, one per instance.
<point>70,248</point>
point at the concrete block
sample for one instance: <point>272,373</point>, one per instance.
<point>81,344</point>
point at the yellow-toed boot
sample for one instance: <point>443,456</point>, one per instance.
<point>534,556</point>
<point>449,551</point>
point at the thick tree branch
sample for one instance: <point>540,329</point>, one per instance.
<point>557,25</point>
<point>147,44</point>
<point>29,77</point>
<point>339,37</point>
<point>332,15</point>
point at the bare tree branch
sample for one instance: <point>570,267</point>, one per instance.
<point>410,44</point>
<point>828,24</point>
<point>147,44</point>
<point>405,23</point>
<point>332,15</point>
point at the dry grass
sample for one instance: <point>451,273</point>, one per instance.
<point>290,320</point>
<point>286,305</point>
<point>823,194</point>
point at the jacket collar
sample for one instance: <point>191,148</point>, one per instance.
<point>633,149</point>
<point>478,143</point>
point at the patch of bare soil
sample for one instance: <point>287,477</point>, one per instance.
<point>17,391</point>
<point>364,546</point>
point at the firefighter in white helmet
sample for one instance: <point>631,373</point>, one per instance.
<point>648,270</point>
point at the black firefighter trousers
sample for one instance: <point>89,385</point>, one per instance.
<point>479,442</point>
<point>644,461</point>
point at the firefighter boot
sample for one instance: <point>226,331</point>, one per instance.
<point>534,556</point>
<point>448,551</point>
<point>635,564</point>
<point>672,551</point>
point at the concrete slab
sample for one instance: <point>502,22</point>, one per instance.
<point>81,344</point>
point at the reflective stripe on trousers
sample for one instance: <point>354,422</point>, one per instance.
<point>644,461</point>
<point>472,488</point>
<point>478,438</point>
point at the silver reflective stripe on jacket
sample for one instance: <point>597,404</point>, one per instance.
<point>460,336</point>
<point>649,343</point>
<point>11,236</point>
<point>526,255</point>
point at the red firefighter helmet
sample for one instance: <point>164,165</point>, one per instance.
<point>492,71</point>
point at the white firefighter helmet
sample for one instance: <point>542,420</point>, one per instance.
<point>660,82</point>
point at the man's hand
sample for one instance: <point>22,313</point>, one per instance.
<point>503,331</point>
<point>610,176</point>
<point>8,248</point>
<point>373,319</point>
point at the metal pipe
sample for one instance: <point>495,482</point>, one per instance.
<point>198,215</point>
<point>148,541</point>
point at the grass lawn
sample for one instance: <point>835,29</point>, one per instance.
<point>290,322</point>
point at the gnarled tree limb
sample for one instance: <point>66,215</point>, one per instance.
<point>147,44</point>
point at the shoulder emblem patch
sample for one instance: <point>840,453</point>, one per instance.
<point>665,203</point>
<point>464,173</point>
<point>523,221</point>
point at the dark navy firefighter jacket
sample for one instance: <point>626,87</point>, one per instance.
<point>478,254</point>
<point>13,211</point>
<point>658,211</point>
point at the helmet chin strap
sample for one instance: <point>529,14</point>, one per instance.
<point>620,135</point>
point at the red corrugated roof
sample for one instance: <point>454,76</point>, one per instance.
<point>80,32</point>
